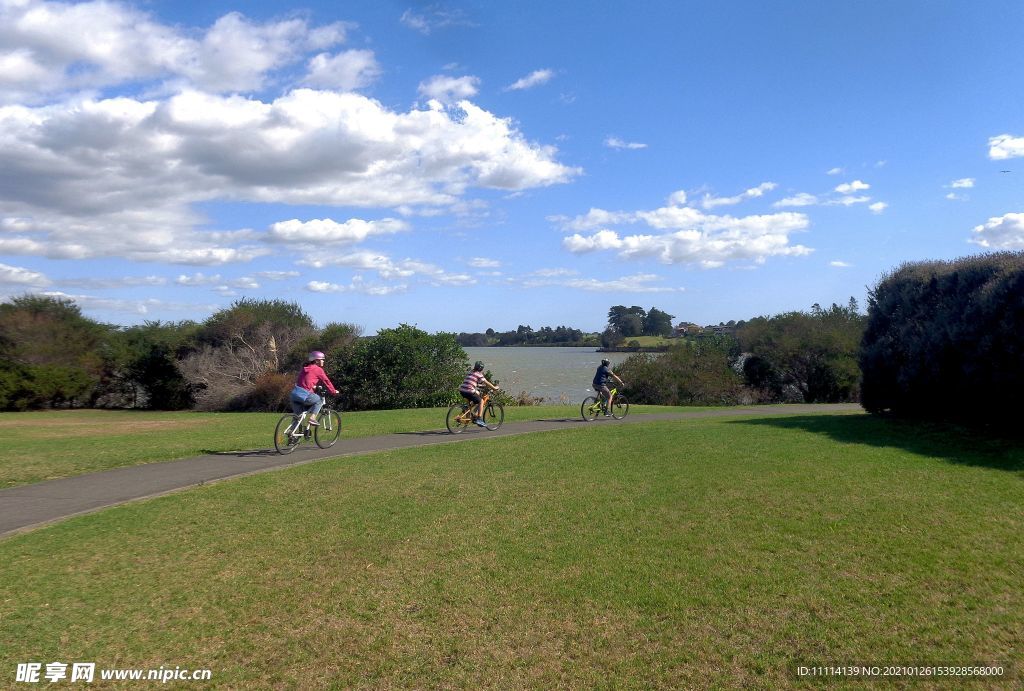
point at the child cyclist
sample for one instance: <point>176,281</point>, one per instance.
<point>304,394</point>
<point>601,377</point>
<point>470,390</point>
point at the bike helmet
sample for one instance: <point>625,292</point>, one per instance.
<point>315,355</point>
<point>606,362</point>
<point>478,366</point>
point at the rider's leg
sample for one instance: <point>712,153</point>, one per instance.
<point>316,402</point>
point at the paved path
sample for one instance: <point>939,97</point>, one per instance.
<point>31,506</point>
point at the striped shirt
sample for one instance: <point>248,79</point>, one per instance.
<point>471,382</point>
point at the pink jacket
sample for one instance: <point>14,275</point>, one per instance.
<point>311,375</point>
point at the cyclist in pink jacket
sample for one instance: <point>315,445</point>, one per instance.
<point>304,394</point>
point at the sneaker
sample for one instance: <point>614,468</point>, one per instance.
<point>479,423</point>
<point>314,423</point>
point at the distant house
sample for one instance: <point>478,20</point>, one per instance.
<point>686,329</point>
<point>721,329</point>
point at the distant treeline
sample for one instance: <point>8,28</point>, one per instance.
<point>526,335</point>
<point>941,340</point>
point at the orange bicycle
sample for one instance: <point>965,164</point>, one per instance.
<point>462,415</point>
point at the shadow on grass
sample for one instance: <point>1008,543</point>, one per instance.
<point>950,443</point>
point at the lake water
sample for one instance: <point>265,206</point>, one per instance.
<point>556,374</point>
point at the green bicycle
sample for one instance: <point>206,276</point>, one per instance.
<point>594,406</point>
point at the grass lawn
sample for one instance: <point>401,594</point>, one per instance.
<point>686,554</point>
<point>47,445</point>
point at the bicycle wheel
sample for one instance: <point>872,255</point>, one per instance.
<point>284,442</point>
<point>327,433</point>
<point>452,421</point>
<point>494,415</point>
<point>589,408</point>
<point>620,407</point>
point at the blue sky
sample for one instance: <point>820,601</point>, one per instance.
<point>468,165</point>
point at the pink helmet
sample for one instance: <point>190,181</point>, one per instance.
<point>315,355</point>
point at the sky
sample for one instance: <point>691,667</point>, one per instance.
<point>465,165</point>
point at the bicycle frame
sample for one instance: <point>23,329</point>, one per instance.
<point>602,402</point>
<point>470,407</point>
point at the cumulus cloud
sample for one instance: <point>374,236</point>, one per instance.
<point>710,201</point>
<point>19,276</point>
<point>449,89</point>
<point>119,177</point>
<point>797,200</point>
<point>962,183</point>
<point>839,264</point>
<point>535,78</point>
<point>878,207</point>
<point>125,282</point>
<point>855,186</point>
<point>1004,232</point>
<point>356,285</point>
<point>686,235</point>
<point>433,18</point>
<point>1005,146</point>
<point>484,263</point>
<point>329,232</point>
<point>389,269</point>
<point>45,50</point>
<point>616,143</point>
<point>835,171</point>
<point>351,69</point>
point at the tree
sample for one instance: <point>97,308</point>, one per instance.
<point>404,367</point>
<point>658,323</point>
<point>241,344</point>
<point>628,321</point>
<point>51,355</point>
<point>810,357</point>
<point>695,372</point>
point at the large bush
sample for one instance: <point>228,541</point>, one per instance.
<point>51,355</point>
<point>695,372</point>
<point>403,367</point>
<point>804,357</point>
<point>944,339</point>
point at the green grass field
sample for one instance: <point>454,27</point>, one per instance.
<point>54,444</point>
<point>687,554</point>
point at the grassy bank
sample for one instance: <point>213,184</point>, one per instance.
<point>47,445</point>
<point>704,553</point>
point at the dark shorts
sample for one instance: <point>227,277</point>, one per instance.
<point>471,396</point>
<point>602,389</point>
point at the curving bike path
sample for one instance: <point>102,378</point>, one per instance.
<point>31,506</point>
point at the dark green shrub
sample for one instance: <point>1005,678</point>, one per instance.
<point>944,339</point>
<point>689,373</point>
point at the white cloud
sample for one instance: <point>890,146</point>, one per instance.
<point>449,89</point>
<point>277,275</point>
<point>637,283</point>
<point>118,177</point>
<point>855,186</point>
<point>535,78</point>
<point>962,183</point>
<point>389,269</point>
<point>616,143</point>
<point>710,201</point>
<point>126,282</point>
<point>329,232</point>
<point>878,207</point>
<point>357,285</point>
<point>136,307</point>
<point>1001,232</point>
<point>46,50</point>
<point>18,276</point>
<point>797,200</point>
<point>839,264</point>
<point>685,235</point>
<point>351,69</point>
<point>484,263</point>
<point>198,279</point>
<point>848,200</point>
<point>433,18</point>
<point>835,171</point>
<point>1005,146</point>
